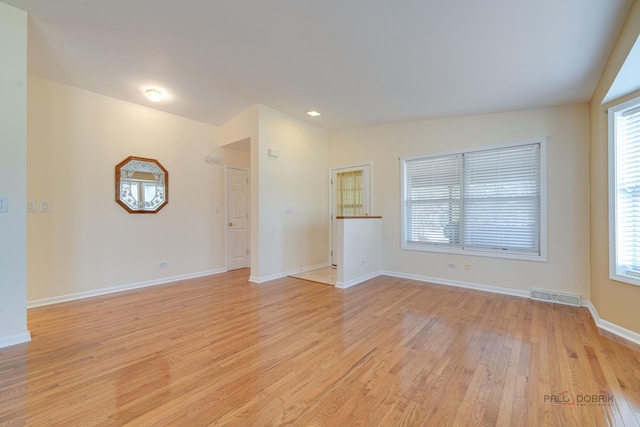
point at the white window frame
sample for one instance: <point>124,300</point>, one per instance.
<point>540,257</point>
<point>615,271</point>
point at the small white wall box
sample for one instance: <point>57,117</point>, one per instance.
<point>274,153</point>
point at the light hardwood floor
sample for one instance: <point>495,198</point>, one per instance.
<point>221,351</point>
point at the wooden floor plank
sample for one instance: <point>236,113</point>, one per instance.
<point>219,350</point>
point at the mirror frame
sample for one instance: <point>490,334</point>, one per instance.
<point>119,175</point>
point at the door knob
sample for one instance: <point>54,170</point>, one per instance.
<point>230,224</point>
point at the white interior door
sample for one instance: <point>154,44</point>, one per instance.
<point>237,218</point>
<point>355,200</point>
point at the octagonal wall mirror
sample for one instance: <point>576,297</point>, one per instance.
<point>142,185</point>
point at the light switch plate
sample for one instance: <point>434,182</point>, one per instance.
<point>31,206</point>
<point>4,204</point>
<point>45,206</point>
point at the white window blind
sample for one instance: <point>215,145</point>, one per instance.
<point>433,200</point>
<point>486,200</point>
<point>502,199</point>
<point>625,259</point>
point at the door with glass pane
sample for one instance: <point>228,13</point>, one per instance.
<point>350,196</point>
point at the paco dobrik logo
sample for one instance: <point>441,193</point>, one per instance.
<point>567,398</point>
<point>563,398</point>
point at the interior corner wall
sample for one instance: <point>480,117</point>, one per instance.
<point>616,302</point>
<point>567,163</point>
<point>88,243</point>
<point>293,196</point>
<point>13,175</point>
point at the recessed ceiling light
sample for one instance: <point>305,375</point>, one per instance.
<point>154,95</point>
<point>313,113</point>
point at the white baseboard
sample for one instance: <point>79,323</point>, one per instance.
<point>625,333</point>
<point>592,309</point>
<point>257,279</point>
<point>15,339</point>
<point>466,285</point>
<point>357,280</point>
<point>121,288</point>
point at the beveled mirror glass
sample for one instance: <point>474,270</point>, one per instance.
<point>142,185</point>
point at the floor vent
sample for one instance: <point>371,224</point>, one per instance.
<point>566,299</point>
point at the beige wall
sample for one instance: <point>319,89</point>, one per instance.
<point>616,302</point>
<point>297,178</point>
<point>88,242</point>
<point>237,158</point>
<point>568,242</point>
<point>13,175</point>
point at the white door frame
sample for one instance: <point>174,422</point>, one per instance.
<point>369,185</point>
<point>226,215</point>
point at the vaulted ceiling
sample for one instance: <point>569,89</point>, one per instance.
<point>357,62</point>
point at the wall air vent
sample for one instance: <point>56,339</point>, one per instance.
<point>557,297</point>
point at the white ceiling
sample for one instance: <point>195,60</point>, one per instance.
<point>359,62</point>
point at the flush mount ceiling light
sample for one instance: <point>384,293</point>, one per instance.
<point>154,95</point>
<point>313,113</point>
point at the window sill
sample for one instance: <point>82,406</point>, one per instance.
<point>631,280</point>
<point>476,252</point>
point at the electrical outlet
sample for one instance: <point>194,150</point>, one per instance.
<point>163,264</point>
<point>452,265</point>
<point>467,266</point>
<point>4,204</point>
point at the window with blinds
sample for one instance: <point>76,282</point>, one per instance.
<point>488,201</point>
<point>624,191</point>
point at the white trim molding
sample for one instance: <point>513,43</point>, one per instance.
<point>121,288</point>
<point>466,285</point>
<point>624,333</point>
<point>357,280</point>
<point>15,339</point>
